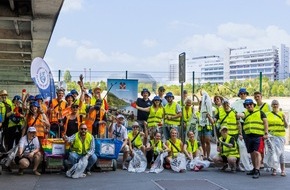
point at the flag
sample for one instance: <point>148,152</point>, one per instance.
<point>42,77</point>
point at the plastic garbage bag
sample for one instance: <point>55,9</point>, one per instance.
<point>2,144</point>
<point>178,163</point>
<point>157,166</point>
<point>139,162</point>
<point>78,169</point>
<point>11,156</point>
<point>245,158</point>
<point>197,162</point>
<point>270,157</point>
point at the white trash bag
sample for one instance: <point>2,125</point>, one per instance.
<point>78,169</point>
<point>139,162</point>
<point>197,162</point>
<point>270,157</point>
<point>157,166</point>
<point>178,163</point>
<point>245,158</point>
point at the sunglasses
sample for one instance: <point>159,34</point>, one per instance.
<point>249,105</point>
<point>135,127</point>
<point>75,107</point>
<point>83,129</point>
<point>242,93</point>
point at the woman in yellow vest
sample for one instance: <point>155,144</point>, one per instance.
<point>156,115</point>
<point>174,145</point>
<point>136,139</point>
<point>277,127</point>
<point>154,148</point>
<point>192,148</point>
<point>228,151</point>
<point>226,116</point>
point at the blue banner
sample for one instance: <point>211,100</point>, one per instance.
<point>43,79</point>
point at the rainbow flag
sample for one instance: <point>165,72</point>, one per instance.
<point>55,147</point>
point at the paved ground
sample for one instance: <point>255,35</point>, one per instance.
<point>209,178</point>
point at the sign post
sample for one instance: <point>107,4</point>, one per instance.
<point>182,72</point>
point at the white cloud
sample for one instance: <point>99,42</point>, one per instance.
<point>232,35</point>
<point>85,53</point>
<point>66,42</point>
<point>149,43</point>
<point>71,5</point>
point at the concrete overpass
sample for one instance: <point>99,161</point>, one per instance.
<point>26,27</point>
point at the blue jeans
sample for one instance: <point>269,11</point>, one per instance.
<point>74,158</point>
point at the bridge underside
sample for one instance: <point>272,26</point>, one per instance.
<point>26,27</point>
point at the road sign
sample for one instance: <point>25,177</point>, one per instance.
<point>182,67</point>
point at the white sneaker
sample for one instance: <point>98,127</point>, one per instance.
<point>124,167</point>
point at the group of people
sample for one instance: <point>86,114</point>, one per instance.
<point>26,120</point>
<point>160,124</point>
<point>245,119</point>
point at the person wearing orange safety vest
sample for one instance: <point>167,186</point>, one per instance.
<point>55,112</point>
<point>37,119</point>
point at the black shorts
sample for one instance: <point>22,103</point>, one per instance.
<point>254,143</point>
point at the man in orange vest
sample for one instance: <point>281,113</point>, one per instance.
<point>56,106</point>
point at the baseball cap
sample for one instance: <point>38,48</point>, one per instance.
<point>31,129</point>
<point>120,116</point>
<point>223,127</point>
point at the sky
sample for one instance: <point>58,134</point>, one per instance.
<point>145,35</point>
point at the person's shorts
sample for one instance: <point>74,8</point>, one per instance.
<point>254,143</point>
<point>125,148</point>
<point>205,132</point>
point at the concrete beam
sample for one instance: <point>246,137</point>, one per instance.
<point>10,35</point>
<point>14,48</point>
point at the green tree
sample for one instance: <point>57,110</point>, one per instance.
<point>67,76</point>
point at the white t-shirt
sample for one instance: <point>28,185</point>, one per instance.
<point>120,132</point>
<point>28,145</point>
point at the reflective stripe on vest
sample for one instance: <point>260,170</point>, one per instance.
<point>192,147</point>
<point>173,150</point>
<point>227,151</point>
<point>170,110</point>
<point>253,123</point>
<point>156,146</point>
<point>138,140</point>
<point>276,125</point>
<point>231,122</point>
<point>155,117</point>
<point>187,114</point>
<point>82,148</point>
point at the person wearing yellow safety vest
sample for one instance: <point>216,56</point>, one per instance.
<point>6,107</point>
<point>82,144</point>
<point>154,147</point>
<point>156,115</point>
<point>277,128</point>
<point>174,145</point>
<point>255,129</point>
<point>226,116</point>
<point>135,138</point>
<point>228,151</point>
<point>15,124</point>
<point>193,149</point>
<point>172,116</point>
<point>263,106</point>
<point>189,116</point>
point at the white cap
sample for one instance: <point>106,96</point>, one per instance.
<point>31,129</point>
<point>88,94</point>
<point>135,123</point>
<point>120,116</point>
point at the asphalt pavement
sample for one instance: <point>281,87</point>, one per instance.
<point>209,178</point>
